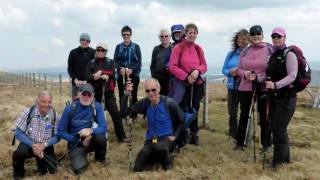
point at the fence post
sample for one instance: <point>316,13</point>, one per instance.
<point>45,81</point>
<point>34,79</point>
<point>60,84</point>
<point>205,105</point>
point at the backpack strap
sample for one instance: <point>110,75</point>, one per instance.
<point>30,116</point>
<point>54,121</point>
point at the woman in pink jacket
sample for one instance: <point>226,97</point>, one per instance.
<point>252,71</point>
<point>187,63</point>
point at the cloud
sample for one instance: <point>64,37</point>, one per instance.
<point>56,22</point>
<point>12,16</point>
<point>58,42</point>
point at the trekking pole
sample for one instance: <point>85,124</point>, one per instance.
<point>266,122</point>
<point>129,119</point>
<point>73,147</point>
<point>253,122</point>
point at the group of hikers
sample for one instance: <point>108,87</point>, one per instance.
<point>254,73</point>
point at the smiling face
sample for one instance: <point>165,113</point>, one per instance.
<point>242,41</point>
<point>101,52</point>
<point>126,36</point>
<point>278,40</point>
<point>152,89</point>
<point>86,98</point>
<point>256,37</point>
<point>44,102</point>
<point>191,34</point>
<point>164,37</point>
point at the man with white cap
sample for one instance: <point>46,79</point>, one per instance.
<point>100,74</point>
<point>83,125</point>
<point>77,62</point>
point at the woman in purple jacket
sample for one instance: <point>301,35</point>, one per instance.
<point>251,70</point>
<point>282,70</point>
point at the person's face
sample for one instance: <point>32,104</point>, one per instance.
<point>126,36</point>
<point>84,43</point>
<point>256,37</point>
<point>278,40</point>
<point>86,98</point>
<point>100,52</point>
<point>152,91</point>
<point>164,38</point>
<point>44,104</point>
<point>177,35</point>
<point>242,41</point>
<point>191,35</point>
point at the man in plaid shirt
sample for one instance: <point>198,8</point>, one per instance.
<point>37,136</point>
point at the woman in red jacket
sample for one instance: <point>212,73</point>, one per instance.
<point>187,63</point>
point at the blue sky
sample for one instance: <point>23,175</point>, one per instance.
<point>40,33</point>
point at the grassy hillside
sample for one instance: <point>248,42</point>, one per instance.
<point>214,159</point>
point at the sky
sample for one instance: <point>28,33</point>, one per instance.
<point>41,33</point>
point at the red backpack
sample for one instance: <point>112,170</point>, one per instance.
<point>304,72</point>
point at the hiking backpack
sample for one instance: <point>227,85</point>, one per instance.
<point>132,48</point>
<point>304,72</point>
<point>29,118</point>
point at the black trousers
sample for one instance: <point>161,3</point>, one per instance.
<point>164,83</point>
<point>281,112</point>
<point>198,93</point>
<point>78,155</point>
<point>112,108</point>
<point>24,152</point>
<point>153,153</point>
<point>245,98</point>
<point>232,103</point>
<point>135,80</point>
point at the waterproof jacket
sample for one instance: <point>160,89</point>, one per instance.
<point>77,62</point>
<point>254,58</point>
<point>185,58</point>
<point>128,57</point>
<point>160,61</point>
<point>231,62</point>
<point>163,119</point>
<point>74,120</point>
<point>107,66</point>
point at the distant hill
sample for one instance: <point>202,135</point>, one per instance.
<point>214,72</point>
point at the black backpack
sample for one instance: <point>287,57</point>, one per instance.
<point>29,118</point>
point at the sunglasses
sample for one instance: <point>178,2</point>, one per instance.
<point>86,94</point>
<point>276,36</point>
<point>150,90</point>
<point>86,40</point>
<point>164,36</point>
<point>256,34</point>
<point>101,50</point>
<point>126,34</point>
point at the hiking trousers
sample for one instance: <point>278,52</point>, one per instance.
<point>151,153</point>
<point>134,93</point>
<point>281,112</point>
<point>111,106</point>
<point>232,103</point>
<point>24,152</point>
<point>78,156</point>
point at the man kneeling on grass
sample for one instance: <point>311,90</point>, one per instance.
<point>164,119</point>
<point>36,129</point>
<point>83,125</point>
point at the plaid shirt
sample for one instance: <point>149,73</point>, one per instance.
<point>39,129</point>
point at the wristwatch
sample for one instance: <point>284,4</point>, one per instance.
<point>45,144</point>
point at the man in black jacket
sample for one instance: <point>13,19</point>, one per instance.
<point>100,73</point>
<point>77,63</point>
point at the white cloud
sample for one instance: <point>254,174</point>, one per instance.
<point>56,22</point>
<point>12,16</point>
<point>58,42</point>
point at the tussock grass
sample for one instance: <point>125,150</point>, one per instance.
<point>214,159</point>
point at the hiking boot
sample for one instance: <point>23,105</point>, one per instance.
<point>167,167</point>
<point>103,163</point>
<point>194,138</point>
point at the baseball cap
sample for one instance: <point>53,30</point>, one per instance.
<point>279,30</point>
<point>86,88</point>
<point>256,29</point>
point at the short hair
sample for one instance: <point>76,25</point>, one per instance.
<point>152,80</point>
<point>241,32</point>
<point>165,31</point>
<point>43,93</point>
<point>126,28</point>
<point>190,26</point>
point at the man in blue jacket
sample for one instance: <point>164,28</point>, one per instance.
<point>36,129</point>
<point>164,119</point>
<point>83,125</point>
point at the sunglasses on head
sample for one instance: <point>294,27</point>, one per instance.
<point>126,34</point>
<point>150,90</point>
<point>255,34</point>
<point>86,40</point>
<point>164,36</point>
<point>276,36</point>
<point>101,50</point>
<point>86,93</point>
